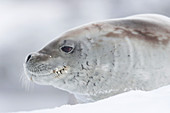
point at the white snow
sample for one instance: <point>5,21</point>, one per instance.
<point>156,101</point>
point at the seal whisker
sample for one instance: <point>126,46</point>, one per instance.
<point>25,83</point>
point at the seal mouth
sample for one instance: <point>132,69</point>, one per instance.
<point>60,71</point>
<point>57,72</point>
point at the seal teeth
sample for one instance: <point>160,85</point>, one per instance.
<point>59,71</point>
<point>65,71</point>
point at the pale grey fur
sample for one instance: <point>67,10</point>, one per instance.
<point>109,57</point>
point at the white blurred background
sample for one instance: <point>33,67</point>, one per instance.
<point>27,25</point>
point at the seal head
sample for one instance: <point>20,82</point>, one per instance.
<point>102,59</point>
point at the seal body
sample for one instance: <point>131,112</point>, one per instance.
<point>102,59</point>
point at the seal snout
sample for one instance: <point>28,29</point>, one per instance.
<point>37,57</point>
<point>35,64</point>
<point>28,58</point>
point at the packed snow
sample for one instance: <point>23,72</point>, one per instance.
<point>156,101</point>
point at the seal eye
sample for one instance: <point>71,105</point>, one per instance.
<point>67,49</point>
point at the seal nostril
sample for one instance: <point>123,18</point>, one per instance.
<point>28,58</point>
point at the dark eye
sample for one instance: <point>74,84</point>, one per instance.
<point>67,49</point>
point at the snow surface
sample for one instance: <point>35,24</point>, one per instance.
<point>156,101</point>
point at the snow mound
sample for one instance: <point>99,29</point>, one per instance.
<point>156,101</point>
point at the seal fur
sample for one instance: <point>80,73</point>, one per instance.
<point>106,58</point>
